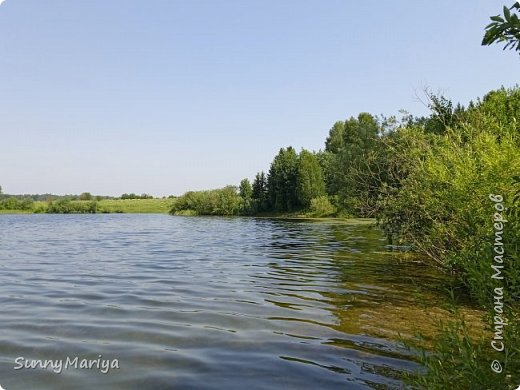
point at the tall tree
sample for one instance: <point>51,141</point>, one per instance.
<point>310,181</point>
<point>334,141</point>
<point>259,193</point>
<point>353,164</point>
<point>245,189</point>
<point>246,193</point>
<point>282,180</point>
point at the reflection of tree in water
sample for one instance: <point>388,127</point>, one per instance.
<point>345,270</point>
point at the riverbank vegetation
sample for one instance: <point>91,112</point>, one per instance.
<point>441,184</point>
<point>16,204</point>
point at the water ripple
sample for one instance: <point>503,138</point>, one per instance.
<point>195,303</point>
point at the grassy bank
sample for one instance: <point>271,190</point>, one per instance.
<point>146,206</point>
<point>16,211</point>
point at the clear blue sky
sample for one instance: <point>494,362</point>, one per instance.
<point>163,96</point>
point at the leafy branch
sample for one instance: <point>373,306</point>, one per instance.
<point>504,28</point>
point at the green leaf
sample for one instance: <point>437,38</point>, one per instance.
<point>497,19</point>
<point>507,14</point>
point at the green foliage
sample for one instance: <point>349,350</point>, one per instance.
<point>335,141</point>
<point>436,198</point>
<point>310,181</point>
<point>442,207</point>
<point>67,206</point>
<point>245,189</point>
<point>134,196</point>
<point>246,193</point>
<point>12,203</point>
<point>499,112</point>
<point>282,181</point>
<point>326,160</point>
<point>504,29</point>
<point>443,116</point>
<point>85,196</point>
<point>259,195</point>
<point>321,207</point>
<point>352,167</point>
<point>223,201</point>
<point>462,361</point>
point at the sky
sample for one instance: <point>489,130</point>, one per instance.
<point>166,96</point>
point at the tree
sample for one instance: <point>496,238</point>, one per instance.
<point>310,182</point>
<point>259,193</point>
<point>245,189</point>
<point>504,28</point>
<point>228,201</point>
<point>334,141</point>
<point>246,193</point>
<point>352,165</point>
<point>85,196</point>
<point>282,180</point>
<point>327,164</point>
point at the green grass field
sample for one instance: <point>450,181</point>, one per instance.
<point>145,206</point>
<point>148,206</point>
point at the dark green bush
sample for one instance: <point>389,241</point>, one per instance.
<point>223,201</point>
<point>67,206</point>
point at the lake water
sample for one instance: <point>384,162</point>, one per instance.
<point>203,303</point>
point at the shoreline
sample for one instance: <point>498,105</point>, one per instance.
<point>349,220</point>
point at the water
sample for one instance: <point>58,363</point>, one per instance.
<point>204,303</point>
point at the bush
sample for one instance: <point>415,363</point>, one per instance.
<point>223,201</point>
<point>443,208</point>
<point>322,207</point>
<point>66,206</point>
<point>13,203</point>
<point>461,360</point>
<point>441,205</point>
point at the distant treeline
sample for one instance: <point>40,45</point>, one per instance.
<point>82,196</point>
<point>134,196</point>
<point>52,197</point>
